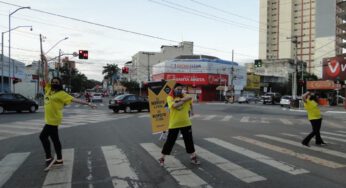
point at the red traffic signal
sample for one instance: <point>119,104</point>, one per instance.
<point>83,54</point>
<point>125,70</point>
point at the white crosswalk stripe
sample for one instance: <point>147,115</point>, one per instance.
<point>342,132</point>
<point>119,167</point>
<point>333,134</point>
<point>310,158</point>
<point>319,149</point>
<point>195,116</point>
<point>180,173</point>
<point>259,157</point>
<point>10,164</point>
<point>209,117</point>
<point>226,165</point>
<point>61,176</point>
<point>286,121</point>
<point>332,124</point>
<point>226,118</point>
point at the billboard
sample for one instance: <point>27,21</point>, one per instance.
<point>194,79</point>
<point>334,68</point>
<point>321,85</point>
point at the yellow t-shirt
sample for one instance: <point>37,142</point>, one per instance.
<point>178,117</point>
<point>312,109</point>
<point>54,102</point>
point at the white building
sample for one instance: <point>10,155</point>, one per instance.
<point>316,26</point>
<point>7,73</point>
<point>28,86</point>
<point>142,62</point>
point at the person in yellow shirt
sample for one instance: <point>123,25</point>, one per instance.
<point>179,106</point>
<point>55,99</point>
<point>315,118</point>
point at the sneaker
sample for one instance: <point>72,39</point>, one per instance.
<point>162,161</point>
<point>305,144</point>
<point>58,163</point>
<point>195,161</point>
<point>48,161</point>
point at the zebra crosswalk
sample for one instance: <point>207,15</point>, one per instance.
<point>123,169</point>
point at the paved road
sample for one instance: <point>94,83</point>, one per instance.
<point>238,145</point>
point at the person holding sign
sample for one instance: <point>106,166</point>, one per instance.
<point>179,106</point>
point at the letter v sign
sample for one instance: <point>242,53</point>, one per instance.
<point>333,69</point>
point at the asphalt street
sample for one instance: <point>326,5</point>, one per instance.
<point>239,145</point>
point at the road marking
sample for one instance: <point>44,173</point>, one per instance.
<point>20,127</point>
<point>245,119</point>
<point>10,164</point>
<point>195,116</point>
<point>292,135</point>
<point>226,118</point>
<point>226,165</point>
<point>58,177</point>
<point>334,134</point>
<point>259,157</point>
<point>77,106</point>
<point>332,124</point>
<point>286,121</point>
<point>15,132</point>
<point>264,120</point>
<point>303,156</point>
<point>298,144</point>
<point>144,116</point>
<point>119,167</point>
<point>336,112</point>
<point>184,176</point>
<point>102,104</point>
<point>342,132</point>
<point>209,117</point>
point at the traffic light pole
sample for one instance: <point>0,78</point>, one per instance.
<point>149,54</point>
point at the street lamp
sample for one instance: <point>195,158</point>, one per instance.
<point>9,37</point>
<point>55,45</point>
<point>2,58</point>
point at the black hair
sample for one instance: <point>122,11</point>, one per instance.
<point>60,83</point>
<point>314,97</point>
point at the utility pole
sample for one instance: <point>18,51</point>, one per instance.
<point>39,66</point>
<point>58,67</point>
<point>148,66</point>
<point>294,40</point>
<point>2,62</point>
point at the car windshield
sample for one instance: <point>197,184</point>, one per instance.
<point>286,97</point>
<point>120,97</point>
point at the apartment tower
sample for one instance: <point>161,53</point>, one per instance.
<point>307,29</point>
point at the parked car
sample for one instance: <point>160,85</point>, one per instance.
<point>96,97</point>
<point>286,101</point>
<point>16,102</point>
<point>129,102</point>
<point>248,99</point>
<point>271,98</point>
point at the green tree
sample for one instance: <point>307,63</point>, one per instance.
<point>111,72</point>
<point>131,86</point>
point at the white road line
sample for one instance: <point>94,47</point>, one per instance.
<point>342,132</point>
<point>298,144</point>
<point>102,104</point>
<point>61,176</point>
<point>332,124</point>
<point>334,134</point>
<point>184,176</point>
<point>264,120</point>
<point>226,118</point>
<point>259,157</point>
<point>226,165</point>
<point>303,156</point>
<point>245,119</point>
<point>286,121</point>
<point>144,116</point>
<point>10,164</point>
<point>119,167</point>
<point>209,117</point>
<point>292,135</point>
<point>195,116</point>
<point>15,132</point>
<point>21,127</point>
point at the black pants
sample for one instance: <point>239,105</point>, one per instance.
<point>172,137</point>
<point>316,126</point>
<point>52,132</point>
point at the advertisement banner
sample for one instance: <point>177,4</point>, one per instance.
<point>194,79</point>
<point>320,85</point>
<point>159,115</point>
<point>253,81</point>
<point>334,68</point>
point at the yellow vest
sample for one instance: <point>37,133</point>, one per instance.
<point>178,117</point>
<point>54,103</point>
<point>312,109</point>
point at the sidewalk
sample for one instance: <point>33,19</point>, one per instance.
<point>326,109</point>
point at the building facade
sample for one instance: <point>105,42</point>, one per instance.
<point>7,73</point>
<point>205,76</point>
<point>140,69</point>
<point>307,29</point>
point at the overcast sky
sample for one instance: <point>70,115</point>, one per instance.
<point>215,26</point>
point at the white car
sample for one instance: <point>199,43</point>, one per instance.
<point>96,97</point>
<point>285,101</point>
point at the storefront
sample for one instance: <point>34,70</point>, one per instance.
<point>202,75</point>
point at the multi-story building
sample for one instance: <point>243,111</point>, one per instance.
<point>142,62</point>
<point>307,29</point>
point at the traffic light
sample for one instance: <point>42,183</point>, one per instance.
<point>258,63</point>
<point>125,70</point>
<point>83,54</point>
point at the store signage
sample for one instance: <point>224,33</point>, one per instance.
<point>334,68</point>
<point>320,85</point>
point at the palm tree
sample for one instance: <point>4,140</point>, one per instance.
<point>111,71</point>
